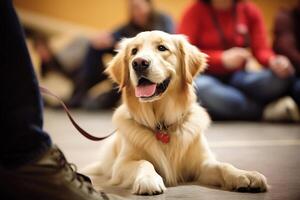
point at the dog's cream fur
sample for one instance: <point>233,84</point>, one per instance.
<point>134,158</point>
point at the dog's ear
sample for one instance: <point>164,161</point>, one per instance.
<point>193,61</point>
<point>117,68</point>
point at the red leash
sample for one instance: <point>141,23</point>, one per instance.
<point>79,129</point>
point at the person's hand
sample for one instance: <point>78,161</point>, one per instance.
<point>102,40</point>
<point>281,66</point>
<point>235,57</point>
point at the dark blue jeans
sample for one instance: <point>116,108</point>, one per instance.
<point>241,97</point>
<point>22,136</point>
<point>296,90</point>
<point>93,67</point>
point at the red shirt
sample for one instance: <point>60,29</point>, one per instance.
<point>247,24</point>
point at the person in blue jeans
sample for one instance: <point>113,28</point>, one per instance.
<point>31,167</point>
<point>232,32</point>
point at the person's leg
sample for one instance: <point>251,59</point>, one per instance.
<point>23,138</point>
<point>263,87</point>
<point>30,166</point>
<point>296,91</point>
<point>89,74</point>
<point>224,102</point>
<point>93,66</point>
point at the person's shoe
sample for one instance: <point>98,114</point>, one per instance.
<point>284,109</point>
<point>50,178</point>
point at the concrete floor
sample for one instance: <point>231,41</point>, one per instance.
<point>272,149</point>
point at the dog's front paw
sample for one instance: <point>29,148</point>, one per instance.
<point>250,182</point>
<point>149,185</point>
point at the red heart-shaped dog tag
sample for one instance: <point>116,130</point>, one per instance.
<point>163,137</point>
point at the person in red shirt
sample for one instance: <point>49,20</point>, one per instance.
<point>231,32</point>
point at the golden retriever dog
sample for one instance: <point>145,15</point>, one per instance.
<point>160,137</point>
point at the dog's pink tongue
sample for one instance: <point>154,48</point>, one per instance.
<point>145,90</point>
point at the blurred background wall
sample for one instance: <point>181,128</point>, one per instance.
<point>106,14</point>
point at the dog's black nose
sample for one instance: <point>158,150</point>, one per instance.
<point>140,64</point>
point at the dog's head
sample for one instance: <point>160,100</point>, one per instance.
<point>152,63</point>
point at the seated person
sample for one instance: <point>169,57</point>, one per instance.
<point>287,42</point>
<point>231,32</point>
<point>143,17</point>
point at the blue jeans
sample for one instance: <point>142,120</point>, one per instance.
<point>241,97</point>
<point>91,70</point>
<point>22,136</point>
<point>296,91</point>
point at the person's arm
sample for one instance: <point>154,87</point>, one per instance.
<point>285,39</point>
<point>119,33</point>
<point>258,35</point>
<point>215,61</point>
<point>230,60</point>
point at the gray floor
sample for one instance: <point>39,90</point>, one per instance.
<point>272,149</point>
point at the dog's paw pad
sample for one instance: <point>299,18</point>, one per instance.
<point>241,189</point>
<point>255,190</point>
<point>253,182</point>
<point>149,185</point>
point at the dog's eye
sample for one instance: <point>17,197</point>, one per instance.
<point>162,48</point>
<point>134,51</point>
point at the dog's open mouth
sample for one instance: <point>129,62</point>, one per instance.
<point>147,89</point>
